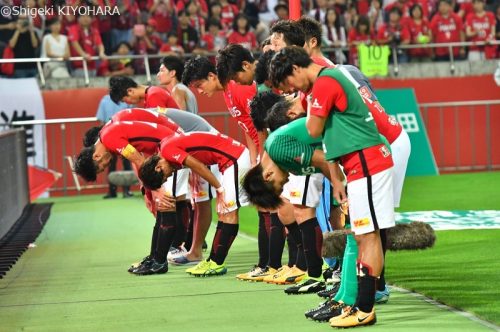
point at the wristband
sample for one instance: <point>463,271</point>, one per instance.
<point>220,190</point>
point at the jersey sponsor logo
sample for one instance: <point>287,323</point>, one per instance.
<point>385,151</point>
<point>359,223</point>
<point>365,92</point>
<point>447,27</point>
<point>235,112</point>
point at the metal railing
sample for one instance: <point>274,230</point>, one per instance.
<point>64,135</point>
<point>450,118</point>
<point>147,57</point>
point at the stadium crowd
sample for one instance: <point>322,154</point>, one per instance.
<point>180,27</point>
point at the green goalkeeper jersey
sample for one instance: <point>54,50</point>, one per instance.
<point>292,148</point>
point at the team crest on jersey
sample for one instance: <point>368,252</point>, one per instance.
<point>176,156</point>
<point>295,193</point>
<point>315,104</point>
<point>385,151</point>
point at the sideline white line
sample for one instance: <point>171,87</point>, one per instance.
<point>462,313</point>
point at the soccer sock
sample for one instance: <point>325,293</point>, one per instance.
<point>292,249</point>
<point>312,241</point>
<point>294,232</point>
<point>166,233</point>
<point>217,234</point>
<point>276,241</point>
<point>366,286</point>
<point>154,237</point>
<point>189,232</point>
<point>348,291</point>
<point>223,240</point>
<point>263,238</point>
<point>182,215</point>
<point>381,280</point>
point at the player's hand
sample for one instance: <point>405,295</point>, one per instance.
<point>339,194</point>
<point>165,202</point>
<point>221,201</point>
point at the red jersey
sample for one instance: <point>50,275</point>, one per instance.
<point>387,30</point>
<point>238,98</point>
<point>446,30</point>
<point>416,30</point>
<point>247,40</point>
<point>158,97</point>
<point>88,39</point>
<point>208,148</point>
<point>145,115</point>
<point>145,137</point>
<point>328,96</point>
<point>483,26</point>
<point>228,13</point>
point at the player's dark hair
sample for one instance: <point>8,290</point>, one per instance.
<point>85,165</point>
<point>277,115</point>
<point>118,87</point>
<point>150,178</point>
<point>174,63</point>
<point>262,67</point>
<point>282,63</point>
<point>229,61</point>
<point>292,32</point>
<point>91,136</point>
<point>212,21</point>
<point>265,42</point>
<point>311,28</point>
<point>259,107</point>
<point>197,68</point>
<point>260,193</point>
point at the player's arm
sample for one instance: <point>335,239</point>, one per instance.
<point>325,94</point>
<point>252,148</point>
<point>180,98</point>
<point>132,155</point>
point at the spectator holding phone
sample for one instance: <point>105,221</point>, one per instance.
<point>24,43</point>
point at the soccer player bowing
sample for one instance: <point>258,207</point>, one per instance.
<point>197,150</point>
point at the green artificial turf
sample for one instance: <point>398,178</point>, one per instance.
<point>467,191</point>
<point>75,279</point>
<point>461,270</point>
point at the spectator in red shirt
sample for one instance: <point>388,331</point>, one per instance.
<point>146,41</point>
<point>420,33</point>
<point>202,4</point>
<point>228,13</point>
<point>394,34</point>
<point>480,27</point>
<point>162,11</point>
<point>215,39</point>
<point>85,41</point>
<point>446,27</point>
<point>361,33</point>
<point>122,88</point>
<point>241,33</point>
<point>172,47</point>
<point>196,19</point>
